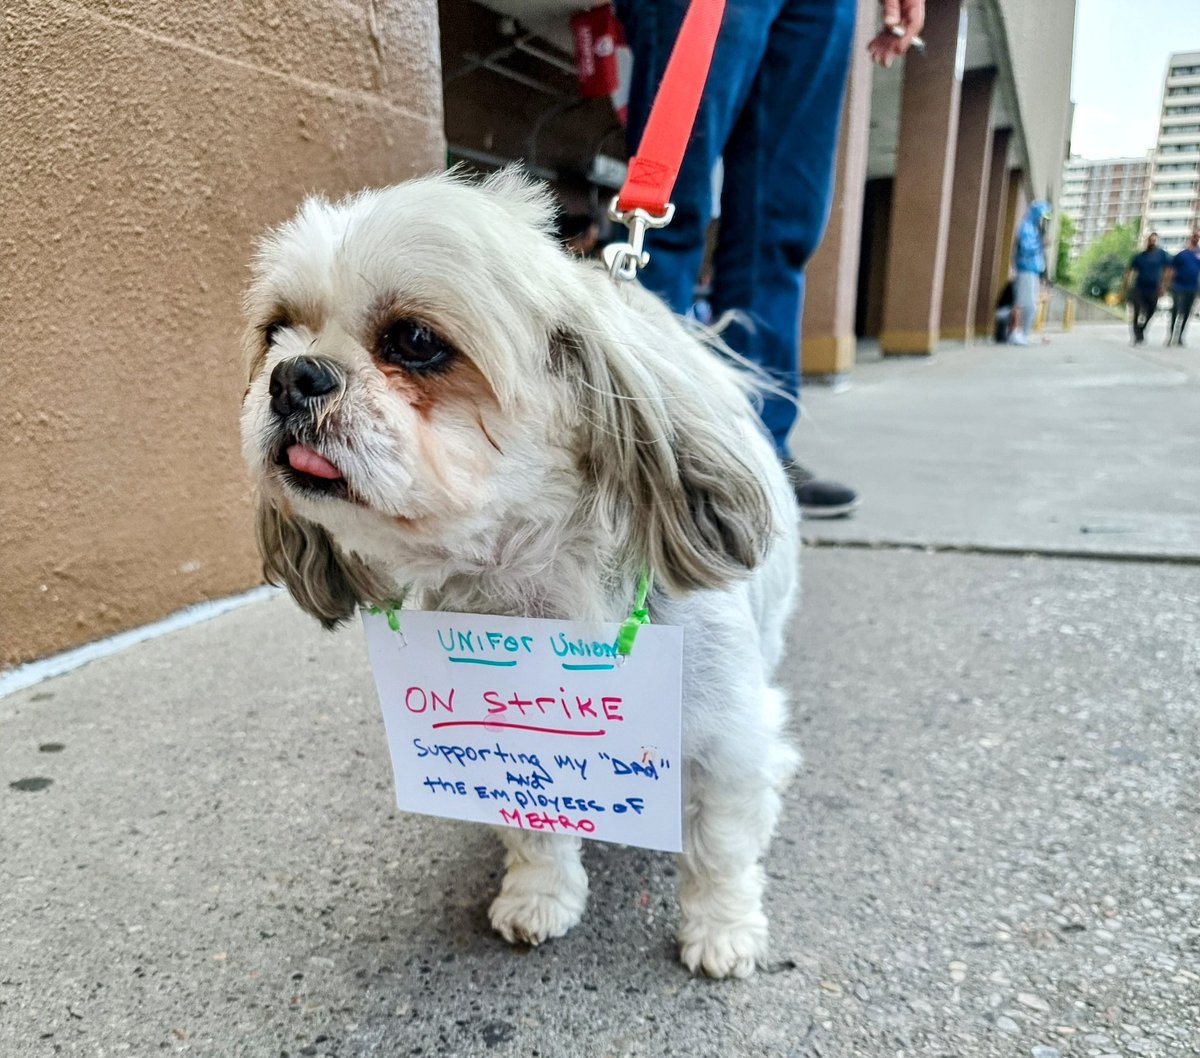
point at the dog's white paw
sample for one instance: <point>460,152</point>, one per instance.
<point>538,903</point>
<point>724,950</point>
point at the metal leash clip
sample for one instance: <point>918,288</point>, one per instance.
<point>623,259</point>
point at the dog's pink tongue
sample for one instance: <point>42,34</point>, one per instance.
<point>306,461</point>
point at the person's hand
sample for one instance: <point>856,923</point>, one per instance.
<point>902,20</point>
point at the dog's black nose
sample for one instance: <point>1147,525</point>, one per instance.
<point>298,382</point>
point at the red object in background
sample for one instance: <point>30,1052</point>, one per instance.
<point>597,34</point>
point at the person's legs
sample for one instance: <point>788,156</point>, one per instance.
<point>1026,291</point>
<point>651,27</point>
<point>1149,308</point>
<point>778,184</point>
<point>1184,302</point>
<point>1142,311</point>
<point>782,161</point>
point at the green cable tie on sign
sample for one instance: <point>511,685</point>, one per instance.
<point>391,612</point>
<point>640,615</point>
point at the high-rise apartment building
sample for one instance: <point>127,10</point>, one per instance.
<point>1099,195</point>
<point>1174,205</point>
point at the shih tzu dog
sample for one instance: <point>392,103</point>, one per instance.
<point>444,404</point>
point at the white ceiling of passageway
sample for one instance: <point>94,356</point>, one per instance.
<point>985,47</point>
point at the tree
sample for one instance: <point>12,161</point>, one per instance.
<point>1062,261</point>
<point>1104,261</point>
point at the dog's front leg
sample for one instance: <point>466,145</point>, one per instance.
<point>544,890</point>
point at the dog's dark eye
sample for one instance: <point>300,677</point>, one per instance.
<point>271,331</point>
<point>413,345</point>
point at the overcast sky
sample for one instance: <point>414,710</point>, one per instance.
<point>1121,52</point>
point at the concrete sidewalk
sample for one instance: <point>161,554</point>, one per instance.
<point>1083,445</point>
<point>993,848</point>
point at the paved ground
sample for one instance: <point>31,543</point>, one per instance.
<point>1082,445</point>
<point>993,849</point>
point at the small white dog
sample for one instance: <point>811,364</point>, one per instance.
<point>444,404</point>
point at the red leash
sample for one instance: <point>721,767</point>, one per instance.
<point>652,171</point>
<point>644,201</point>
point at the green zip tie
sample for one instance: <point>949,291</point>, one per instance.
<point>390,612</point>
<point>640,615</point>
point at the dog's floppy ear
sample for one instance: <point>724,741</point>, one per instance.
<point>324,580</point>
<point>659,453</point>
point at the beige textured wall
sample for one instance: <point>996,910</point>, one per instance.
<point>144,146</point>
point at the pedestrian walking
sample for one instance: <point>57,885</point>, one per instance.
<point>1146,269</point>
<point>1183,280</point>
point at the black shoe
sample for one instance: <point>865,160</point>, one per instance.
<point>819,499</point>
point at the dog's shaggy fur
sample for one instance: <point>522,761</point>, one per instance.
<point>486,425</point>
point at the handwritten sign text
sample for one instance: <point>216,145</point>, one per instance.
<point>533,724</point>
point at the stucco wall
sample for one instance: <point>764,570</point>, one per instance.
<point>145,145</point>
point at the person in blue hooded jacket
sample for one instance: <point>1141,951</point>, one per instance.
<point>1029,259</point>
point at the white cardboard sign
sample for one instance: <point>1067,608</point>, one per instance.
<point>534,724</point>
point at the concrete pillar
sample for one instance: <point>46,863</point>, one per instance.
<point>972,164</point>
<point>992,270</point>
<point>827,341</point>
<point>912,304</point>
<point>1014,210</point>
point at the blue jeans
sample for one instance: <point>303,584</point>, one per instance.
<point>1181,310</point>
<point>772,109</point>
<point>1026,292</point>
